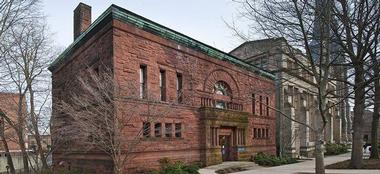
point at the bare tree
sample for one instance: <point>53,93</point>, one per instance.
<point>305,25</point>
<point>98,114</point>
<point>315,26</point>
<point>26,51</point>
<point>14,11</point>
<point>375,98</point>
<point>356,31</point>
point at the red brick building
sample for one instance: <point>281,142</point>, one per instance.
<point>219,121</point>
<point>9,106</point>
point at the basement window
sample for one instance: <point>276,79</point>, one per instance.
<point>157,130</point>
<point>146,129</point>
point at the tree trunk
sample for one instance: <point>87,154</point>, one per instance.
<point>374,135</point>
<point>319,156</point>
<point>25,158</point>
<point>20,131</point>
<point>9,157</point>
<point>37,135</point>
<point>375,120</point>
<point>359,105</point>
<point>117,167</point>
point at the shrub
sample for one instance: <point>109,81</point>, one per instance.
<point>177,167</point>
<point>335,149</point>
<point>263,159</point>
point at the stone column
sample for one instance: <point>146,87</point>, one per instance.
<point>338,127</point>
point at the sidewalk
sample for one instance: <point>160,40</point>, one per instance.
<point>302,167</point>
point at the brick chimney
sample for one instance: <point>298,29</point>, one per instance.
<point>82,19</point>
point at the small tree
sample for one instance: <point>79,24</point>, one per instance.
<point>98,118</point>
<point>25,51</point>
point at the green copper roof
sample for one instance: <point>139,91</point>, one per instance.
<point>116,12</point>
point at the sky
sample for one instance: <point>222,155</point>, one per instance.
<point>203,20</point>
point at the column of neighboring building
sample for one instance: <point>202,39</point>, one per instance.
<point>330,125</point>
<point>289,126</point>
<point>305,134</point>
<point>337,126</point>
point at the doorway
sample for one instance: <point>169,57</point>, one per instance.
<point>225,144</point>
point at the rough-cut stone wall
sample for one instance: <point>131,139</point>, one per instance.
<point>95,51</point>
<point>134,47</point>
<point>126,48</point>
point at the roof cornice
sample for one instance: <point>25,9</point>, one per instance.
<point>116,12</point>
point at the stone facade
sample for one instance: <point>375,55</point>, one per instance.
<point>295,94</point>
<point>218,119</point>
<point>367,126</point>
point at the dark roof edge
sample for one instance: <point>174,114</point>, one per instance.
<point>259,40</point>
<point>162,31</point>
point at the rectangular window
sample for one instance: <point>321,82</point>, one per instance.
<point>267,106</point>
<point>146,129</point>
<point>162,85</point>
<point>254,133</point>
<point>157,130</point>
<point>178,130</point>
<point>179,87</point>
<point>241,137</point>
<point>263,133</point>
<point>259,133</point>
<point>168,129</point>
<point>266,133</point>
<point>261,105</point>
<point>143,86</point>
<point>253,104</point>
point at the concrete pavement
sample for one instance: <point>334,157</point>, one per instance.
<point>301,167</point>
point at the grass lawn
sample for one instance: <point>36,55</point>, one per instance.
<point>368,164</point>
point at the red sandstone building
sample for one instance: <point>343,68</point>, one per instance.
<point>225,118</point>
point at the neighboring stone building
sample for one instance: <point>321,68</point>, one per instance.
<point>367,126</point>
<point>295,95</point>
<point>219,114</point>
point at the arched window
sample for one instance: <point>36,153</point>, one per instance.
<point>222,88</point>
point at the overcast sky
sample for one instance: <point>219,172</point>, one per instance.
<point>200,19</point>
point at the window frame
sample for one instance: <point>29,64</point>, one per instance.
<point>179,86</point>
<point>162,84</point>
<point>158,130</point>
<point>146,130</point>
<point>168,130</point>
<point>178,132</point>
<point>143,82</point>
